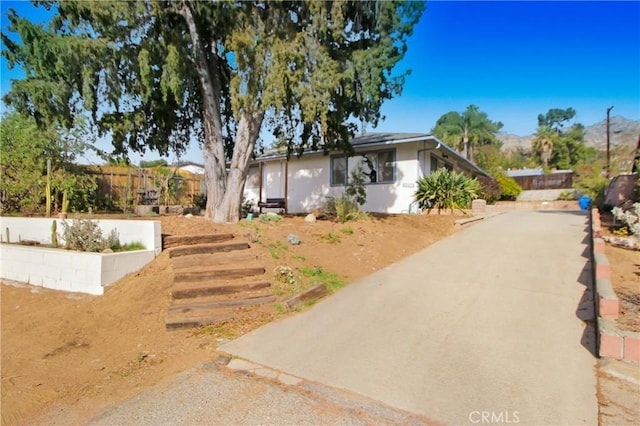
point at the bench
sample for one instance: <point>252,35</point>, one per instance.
<point>272,203</point>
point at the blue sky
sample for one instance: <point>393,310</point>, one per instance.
<point>512,59</point>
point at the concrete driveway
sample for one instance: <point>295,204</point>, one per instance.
<point>486,326</point>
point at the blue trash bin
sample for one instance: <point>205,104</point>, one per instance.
<point>584,202</point>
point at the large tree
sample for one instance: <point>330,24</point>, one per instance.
<point>467,130</point>
<point>26,149</point>
<point>556,147</point>
<point>155,74</point>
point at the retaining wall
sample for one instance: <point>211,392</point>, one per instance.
<point>613,342</point>
<point>73,270</point>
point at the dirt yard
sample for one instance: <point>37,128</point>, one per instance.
<point>72,350</point>
<point>625,278</point>
<point>81,354</point>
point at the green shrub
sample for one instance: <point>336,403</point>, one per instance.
<point>200,201</point>
<point>567,195</point>
<point>344,209</point>
<point>270,217</point>
<point>135,245</point>
<point>444,189</point>
<point>510,188</point>
<point>489,189</point>
<point>86,235</point>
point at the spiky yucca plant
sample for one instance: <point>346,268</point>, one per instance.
<point>444,189</point>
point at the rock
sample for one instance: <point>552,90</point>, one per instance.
<point>108,250</point>
<point>189,215</point>
<point>294,239</point>
<point>310,218</point>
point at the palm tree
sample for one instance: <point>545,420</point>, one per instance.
<point>543,143</point>
<point>465,131</point>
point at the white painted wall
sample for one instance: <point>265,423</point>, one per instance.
<point>73,270</point>
<point>309,179</point>
<point>147,232</point>
<point>68,270</point>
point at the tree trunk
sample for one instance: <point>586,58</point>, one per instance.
<point>225,188</point>
<point>213,146</point>
<point>246,137</point>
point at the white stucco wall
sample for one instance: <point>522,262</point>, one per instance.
<point>72,270</point>
<point>146,232</point>
<point>68,270</point>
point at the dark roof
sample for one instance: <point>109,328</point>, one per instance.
<point>376,138</point>
<point>373,139</point>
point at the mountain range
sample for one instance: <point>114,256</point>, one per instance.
<point>622,133</point>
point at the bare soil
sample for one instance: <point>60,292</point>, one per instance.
<point>73,350</point>
<point>625,278</point>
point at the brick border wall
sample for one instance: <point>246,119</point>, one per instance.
<point>612,341</point>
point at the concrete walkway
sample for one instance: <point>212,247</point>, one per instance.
<point>486,326</point>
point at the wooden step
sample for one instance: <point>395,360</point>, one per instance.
<point>214,288</point>
<point>206,248</point>
<point>216,274</point>
<point>169,241</point>
<point>181,322</point>
<point>199,306</point>
<point>220,258</point>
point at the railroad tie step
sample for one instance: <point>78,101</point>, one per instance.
<point>209,259</point>
<point>216,288</point>
<point>210,274</point>
<point>197,306</point>
<point>169,241</point>
<point>206,248</point>
<point>204,319</point>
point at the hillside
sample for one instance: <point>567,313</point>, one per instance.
<point>623,133</point>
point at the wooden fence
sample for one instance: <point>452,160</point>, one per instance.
<point>562,180</point>
<point>123,187</point>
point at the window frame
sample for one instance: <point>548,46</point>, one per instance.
<point>358,157</point>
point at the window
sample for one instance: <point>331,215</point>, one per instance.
<point>253,177</point>
<point>438,163</point>
<point>377,167</point>
<point>339,170</point>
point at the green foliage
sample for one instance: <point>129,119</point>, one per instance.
<point>555,118</point>
<point>490,190</point>
<point>318,275</point>
<point>277,249</point>
<point>154,76</point>
<point>200,200</point>
<point>54,234</point>
<point>330,238</point>
<point>466,131</point>
<point>132,246</point>
<point>347,230</point>
<point>86,235</point>
<point>356,188</point>
<point>490,158</point>
<point>589,180</point>
<point>23,165</point>
<point>557,148</point>
<point>153,163</point>
<point>343,208</point>
<point>567,195</point>
<point>510,188</point>
<point>444,189</point>
<point>270,217</point>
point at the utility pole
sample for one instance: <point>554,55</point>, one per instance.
<point>608,149</point>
